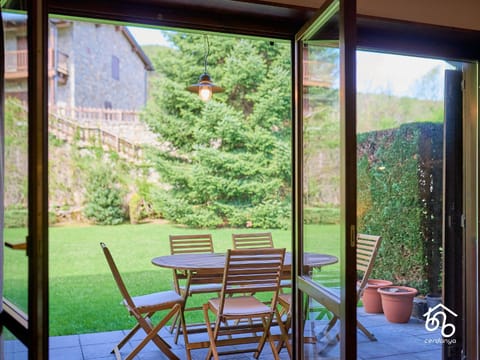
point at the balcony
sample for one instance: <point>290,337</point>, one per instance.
<point>16,64</point>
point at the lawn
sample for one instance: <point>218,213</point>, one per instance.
<point>83,295</point>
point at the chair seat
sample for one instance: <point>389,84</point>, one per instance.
<point>241,306</point>
<point>156,301</point>
<point>202,288</point>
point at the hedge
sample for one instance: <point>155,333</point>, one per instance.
<point>400,198</point>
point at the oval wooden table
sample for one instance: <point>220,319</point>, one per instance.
<point>213,264</point>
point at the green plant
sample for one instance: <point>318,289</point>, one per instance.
<point>400,198</point>
<point>321,215</point>
<point>17,217</point>
<point>233,155</point>
<point>135,209</point>
<point>104,201</point>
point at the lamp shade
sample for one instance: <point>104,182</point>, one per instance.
<point>205,87</point>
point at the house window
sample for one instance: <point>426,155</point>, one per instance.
<point>115,68</point>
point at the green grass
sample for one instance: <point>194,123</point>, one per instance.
<point>83,295</point>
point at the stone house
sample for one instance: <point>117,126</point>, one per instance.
<point>90,65</point>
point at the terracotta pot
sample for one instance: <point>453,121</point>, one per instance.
<point>372,302</point>
<point>397,302</point>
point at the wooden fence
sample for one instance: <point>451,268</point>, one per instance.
<point>85,115</point>
<point>63,127</point>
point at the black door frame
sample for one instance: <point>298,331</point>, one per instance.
<point>453,210</point>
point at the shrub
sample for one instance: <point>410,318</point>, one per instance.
<point>15,217</point>
<point>271,214</point>
<point>104,200</point>
<point>322,215</point>
<point>135,209</point>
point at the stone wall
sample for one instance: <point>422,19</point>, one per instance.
<point>93,48</point>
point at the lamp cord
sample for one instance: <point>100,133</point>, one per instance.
<point>207,51</point>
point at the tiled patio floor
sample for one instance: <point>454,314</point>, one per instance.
<point>395,342</point>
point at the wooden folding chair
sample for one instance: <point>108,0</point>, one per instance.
<point>285,302</point>
<point>189,283</point>
<point>252,241</point>
<point>143,308</point>
<point>257,241</point>
<point>258,271</point>
<point>367,249</point>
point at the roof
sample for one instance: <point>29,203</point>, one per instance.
<point>137,48</point>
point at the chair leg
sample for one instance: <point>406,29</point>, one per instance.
<point>174,324</point>
<point>152,334</point>
<point>284,328</point>
<point>266,336</point>
<point>331,324</point>
<point>276,356</point>
<point>366,332</point>
<point>183,324</point>
<point>127,337</point>
<point>211,335</point>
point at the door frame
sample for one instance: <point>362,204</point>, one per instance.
<point>453,234</point>
<point>37,241</point>
<point>346,11</point>
<point>471,199</point>
<point>436,41</point>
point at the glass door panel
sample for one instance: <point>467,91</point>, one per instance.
<point>15,171</point>
<point>321,196</point>
<point>327,222</point>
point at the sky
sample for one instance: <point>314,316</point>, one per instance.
<point>376,73</point>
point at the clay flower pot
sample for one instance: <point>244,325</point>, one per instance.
<point>372,302</point>
<point>397,302</point>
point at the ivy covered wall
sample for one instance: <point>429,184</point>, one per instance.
<point>400,198</point>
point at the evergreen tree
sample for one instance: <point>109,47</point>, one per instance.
<point>228,160</point>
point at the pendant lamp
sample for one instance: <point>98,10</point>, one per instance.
<point>205,87</point>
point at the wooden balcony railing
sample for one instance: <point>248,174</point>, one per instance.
<point>16,63</point>
<point>95,116</point>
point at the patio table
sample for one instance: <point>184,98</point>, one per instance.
<point>213,264</point>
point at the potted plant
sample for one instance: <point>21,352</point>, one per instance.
<point>397,302</point>
<point>419,307</point>
<point>372,302</point>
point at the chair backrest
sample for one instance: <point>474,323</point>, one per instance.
<point>116,275</point>
<point>252,241</point>
<point>187,244</point>
<point>253,271</point>
<point>367,249</point>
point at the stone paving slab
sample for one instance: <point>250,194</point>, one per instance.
<point>395,342</point>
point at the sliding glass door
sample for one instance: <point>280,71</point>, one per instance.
<point>326,195</point>
<point>25,200</point>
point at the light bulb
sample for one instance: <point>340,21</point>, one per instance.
<point>205,92</point>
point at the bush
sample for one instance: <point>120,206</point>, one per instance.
<point>322,215</point>
<point>271,214</point>
<point>18,217</point>
<point>104,201</point>
<point>135,209</point>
